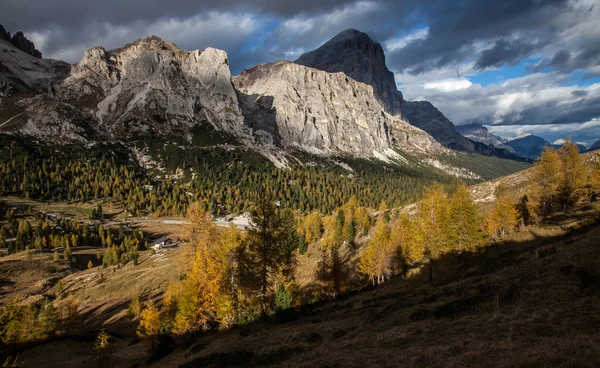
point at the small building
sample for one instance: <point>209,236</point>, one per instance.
<point>165,242</point>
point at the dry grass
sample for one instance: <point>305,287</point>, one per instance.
<point>535,307</point>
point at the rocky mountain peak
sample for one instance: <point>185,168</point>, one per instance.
<point>324,112</point>
<point>362,59</point>
<point>152,85</point>
<point>20,41</point>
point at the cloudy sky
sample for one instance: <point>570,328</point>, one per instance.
<point>517,66</point>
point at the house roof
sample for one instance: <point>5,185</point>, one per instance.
<point>161,240</point>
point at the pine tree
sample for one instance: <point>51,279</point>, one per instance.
<point>270,249</point>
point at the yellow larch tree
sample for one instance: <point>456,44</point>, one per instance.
<point>464,222</point>
<point>433,217</point>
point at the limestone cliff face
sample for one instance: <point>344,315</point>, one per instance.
<point>330,112</point>
<point>362,59</point>
<point>153,86</point>
<point>355,54</point>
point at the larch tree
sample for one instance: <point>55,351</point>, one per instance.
<point>406,239</point>
<point>503,219</point>
<point>376,262</point>
<point>464,222</point>
<point>575,176</point>
<point>433,217</point>
<point>149,326</point>
<point>546,180</point>
<point>200,287</point>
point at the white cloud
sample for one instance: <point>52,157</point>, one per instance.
<point>449,85</point>
<point>398,43</point>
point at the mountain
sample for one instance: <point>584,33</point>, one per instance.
<point>595,146</point>
<point>354,53</point>
<point>532,146</point>
<point>528,145</point>
<point>479,133</point>
<point>151,95</point>
<point>19,41</point>
<point>328,112</point>
<point>362,59</point>
<point>151,86</point>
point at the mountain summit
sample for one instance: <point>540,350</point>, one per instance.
<point>355,54</point>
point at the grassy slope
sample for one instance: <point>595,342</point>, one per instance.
<point>530,303</point>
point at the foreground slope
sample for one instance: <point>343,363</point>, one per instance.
<point>523,304</point>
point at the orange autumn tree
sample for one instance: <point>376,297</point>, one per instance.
<point>199,300</point>
<point>504,218</point>
<point>434,220</point>
<point>464,222</point>
<point>376,261</point>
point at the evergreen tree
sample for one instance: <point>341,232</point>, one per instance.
<point>269,250</point>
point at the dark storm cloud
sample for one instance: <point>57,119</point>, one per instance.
<point>493,33</point>
<point>504,52</point>
<point>37,14</point>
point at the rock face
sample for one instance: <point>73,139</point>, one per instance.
<point>330,112</point>
<point>4,35</point>
<point>479,133</point>
<point>20,42</point>
<point>362,59</point>
<point>354,53</point>
<point>24,44</point>
<point>425,116</point>
<point>39,74</point>
<point>151,86</point>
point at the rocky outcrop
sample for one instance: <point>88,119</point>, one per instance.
<point>425,116</point>
<point>153,86</point>
<point>362,59</point>
<point>355,54</point>
<point>25,45</point>
<point>20,41</point>
<point>4,34</point>
<point>327,112</point>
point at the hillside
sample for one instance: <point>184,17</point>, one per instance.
<point>485,306</point>
<point>532,300</point>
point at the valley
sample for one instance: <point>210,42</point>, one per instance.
<point>158,210</point>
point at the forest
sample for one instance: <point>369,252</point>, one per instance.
<point>230,277</point>
<point>235,277</point>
